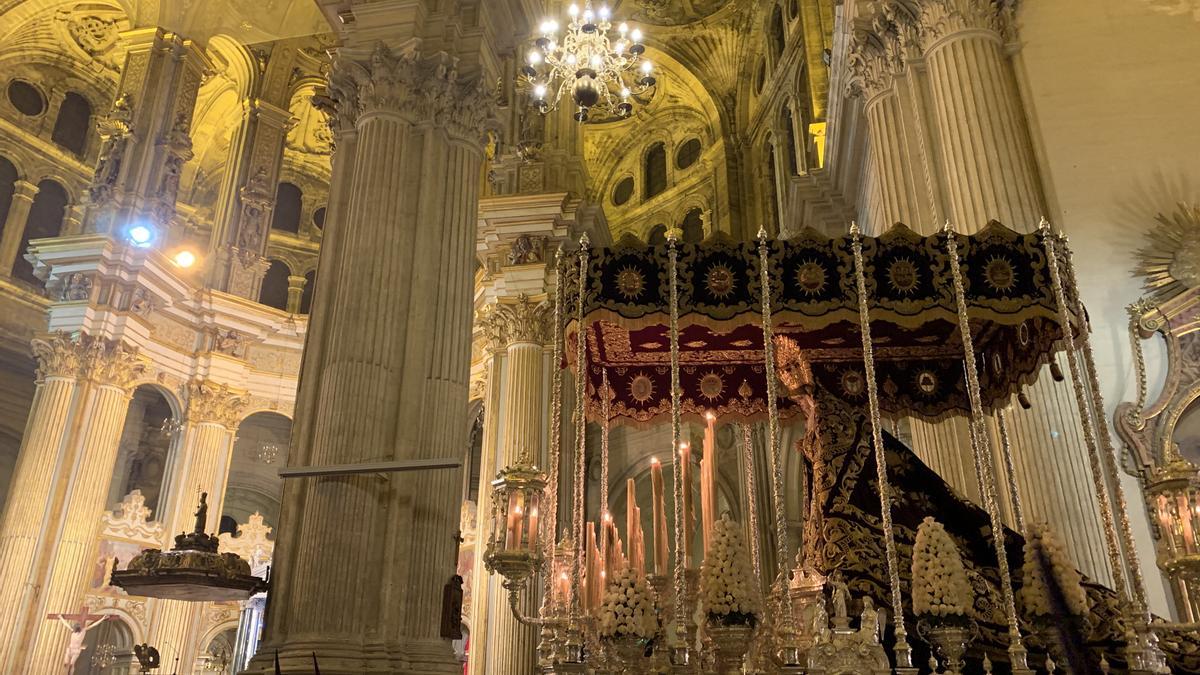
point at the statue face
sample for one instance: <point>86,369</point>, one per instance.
<point>76,627</point>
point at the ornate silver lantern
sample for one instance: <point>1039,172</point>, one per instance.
<point>514,547</point>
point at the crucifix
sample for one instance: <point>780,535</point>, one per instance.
<point>79,625</point>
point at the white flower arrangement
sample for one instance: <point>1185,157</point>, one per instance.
<point>1036,592</point>
<point>728,592</point>
<point>630,608</point>
<point>940,586</point>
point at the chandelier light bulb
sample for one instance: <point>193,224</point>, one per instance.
<point>594,65</point>
<point>647,67</point>
<point>185,259</point>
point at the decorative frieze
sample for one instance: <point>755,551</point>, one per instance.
<point>131,520</point>
<point>417,87</point>
<point>214,403</point>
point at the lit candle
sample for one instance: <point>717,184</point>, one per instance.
<point>564,586</point>
<point>514,540</point>
<point>591,566</point>
<point>631,522</point>
<point>660,518</point>
<point>532,527</point>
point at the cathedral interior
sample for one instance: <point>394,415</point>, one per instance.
<point>367,336</point>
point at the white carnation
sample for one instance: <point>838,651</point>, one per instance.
<point>630,608</point>
<point>939,580</point>
<point>1035,593</point>
<point>726,582</point>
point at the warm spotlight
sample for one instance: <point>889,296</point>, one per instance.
<point>185,259</point>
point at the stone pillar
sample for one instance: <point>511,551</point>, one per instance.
<point>483,582</point>
<point>48,536</point>
<point>146,136</point>
<point>242,221</point>
<point>989,173</point>
<point>295,293</point>
<point>14,224</point>
<point>522,326</point>
<point>389,353</point>
<point>213,413</point>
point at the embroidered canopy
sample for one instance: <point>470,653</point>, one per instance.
<point>914,322</point>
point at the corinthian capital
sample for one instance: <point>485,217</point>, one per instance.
<point>941,18</point>
<point>872,67</point>
<point>420,88</point>
<point>108,362</point>
<point>58,356</point>
<point>524,320</point>
<point>216,403</point>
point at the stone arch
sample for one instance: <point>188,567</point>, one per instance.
<point>654,170</point>
<point>150,440</point>
<point>46,217</point>
<point>776,33</point>
<point>254,485</point>
<point>72,126</point>
<point>274,289</point>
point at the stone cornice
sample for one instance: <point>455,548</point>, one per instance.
<point>419,88</point>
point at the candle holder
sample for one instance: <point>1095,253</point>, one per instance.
<point>513,548</point>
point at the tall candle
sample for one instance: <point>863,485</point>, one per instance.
<point>631,521</point>
<point>637,543</point>
<point>685,460</point>
<point>531,527</point>
<point>518,527</point>
<point>591,567</point>
<point>708,480</point>
<point>660,518</point>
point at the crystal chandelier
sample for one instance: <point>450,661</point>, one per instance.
<point>599,68</point>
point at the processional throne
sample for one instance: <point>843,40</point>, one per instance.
<point>841,333</point>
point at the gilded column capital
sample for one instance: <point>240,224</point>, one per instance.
<point>419,88</point>
<point>106,362</point>
<point>110,362</point>
<point>214,403</point>
<point>522,321</point>
<point>938,19</point>
<point>58,355</point>
<point>872,66</point>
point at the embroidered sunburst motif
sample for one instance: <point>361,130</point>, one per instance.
<point>811,277</point>
<point>719,281</point>
<point>902,275</point>
<point>999,274</point>
<point>641,388</point>
<point>927,382</point>
<point>711,386</point>
<point>631,283</point>
<point>853,383</point>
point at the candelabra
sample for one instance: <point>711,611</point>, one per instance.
<point>1174,492</point>
<point>599,68</point>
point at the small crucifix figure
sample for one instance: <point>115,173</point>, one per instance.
<point>79,625</point>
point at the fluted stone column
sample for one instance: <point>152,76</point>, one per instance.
<point>14,224</point>
<point>295,293</point>
<point>213,414</point>
<point>49,533</point>
<point>523,327</point>
<point>989,173</point>
<point>363,558</point>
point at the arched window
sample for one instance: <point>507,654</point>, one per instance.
<point>145,446</point>
<point>777,35</point>
<point>286,216</point>
<point>45,220</point>
<point>693,227</point>
<point>274,291</point>
<point>306,296</point>
<point>789,128</point>
<point>655,170</point>
<point>658,235</point>
<point>8,184</point>
<point>760,77</point>
<point>254,485</point>
<point>318,218</point>
<point>74,120</point>
<point>771,208</point>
